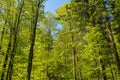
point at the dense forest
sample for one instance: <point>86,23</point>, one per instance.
<point>85,47</point>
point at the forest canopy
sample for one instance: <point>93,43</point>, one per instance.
<point>85,47</point>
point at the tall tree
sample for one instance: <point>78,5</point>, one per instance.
<point>16,31</point>
<point>36,9</point>
<point>111,37</point>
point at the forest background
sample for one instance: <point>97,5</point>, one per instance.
<point>79,41</point>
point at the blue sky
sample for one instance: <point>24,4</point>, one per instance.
<point>52,5</point>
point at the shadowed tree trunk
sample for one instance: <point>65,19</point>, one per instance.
<point>9,43</point>
<point>103,70</point>
<point>6,58</point>
<point>35,18</point>
<point>13,52</point>
<point>2,38</point>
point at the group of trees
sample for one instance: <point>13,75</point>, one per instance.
<point>32,46</point>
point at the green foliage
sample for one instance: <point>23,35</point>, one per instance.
<point>82,49</point>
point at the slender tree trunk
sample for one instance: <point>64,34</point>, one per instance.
<point>49,48</point>
<point>116,15</point>
<point>32,42</point>
<point>9,43</point>
<point>2,38</point>
<point>12,55</point>
<point>73,51</point>
<point>73,55</point>
<point>112,72</point>
<point>111,38</point>
<point>115,51</point>
<point>101,61</point>
<point>103,70</point>
<point>6,58</point>
<point>74,64</point>
<point>74,58</point>
<point>101,73</point>
<point>80,73</point>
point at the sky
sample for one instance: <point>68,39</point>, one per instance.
<point>52,5</point>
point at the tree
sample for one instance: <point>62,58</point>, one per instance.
<point>15,31</point>
<point>33,34</point>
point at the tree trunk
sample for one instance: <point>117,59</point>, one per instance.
<point>112,72</point>
<point>32,41</point>
<point>80,73</point>
<point>103,70</point>
<point>2,38</point>
<point>111,38</point>
<point>74,64</point>
<point>6,58</point>
<point>115,51</point>
<point>74,57</point>
<point>9,43</point>
<point>12,55</point>
<point>49,48</point>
